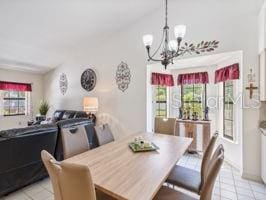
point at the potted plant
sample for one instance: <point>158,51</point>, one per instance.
<point>43,108</point>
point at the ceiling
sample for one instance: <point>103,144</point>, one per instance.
<point>38,35</point>
<point>41,33</point>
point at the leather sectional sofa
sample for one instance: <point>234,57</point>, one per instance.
<point>20,159</point>
<point>68,114</point>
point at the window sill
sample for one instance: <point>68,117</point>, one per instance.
<point>229,141</point>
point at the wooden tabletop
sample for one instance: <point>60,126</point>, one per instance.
<point>119,172</point>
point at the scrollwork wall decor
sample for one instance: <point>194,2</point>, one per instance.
<point>123,76</point>
<point>63,83</point>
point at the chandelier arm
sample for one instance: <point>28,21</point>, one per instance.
<point>160,45</point>
<point>150,57</point>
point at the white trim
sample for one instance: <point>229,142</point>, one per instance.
<point>252,177</point>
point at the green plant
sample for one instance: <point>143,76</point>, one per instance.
<point>44,107</point>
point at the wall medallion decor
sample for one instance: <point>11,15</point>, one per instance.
<point>123,76</point>
<point>63,83</point>
<point>88,79</point>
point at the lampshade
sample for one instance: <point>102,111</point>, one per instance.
<point>180,31</point>
<point>90,104</point>
<point>147,40</point>
<point>173,45</point>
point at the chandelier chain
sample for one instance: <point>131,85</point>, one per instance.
<point>166,12</point>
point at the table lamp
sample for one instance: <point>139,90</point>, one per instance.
<point>90,106</point>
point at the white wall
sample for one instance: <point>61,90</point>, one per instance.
<point>37,95</point>
<point>235,31</point>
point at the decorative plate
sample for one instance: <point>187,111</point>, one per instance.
<point>63,83</point>
<point>123,76</point>
<point>88,79</point>
<point>137,148</point>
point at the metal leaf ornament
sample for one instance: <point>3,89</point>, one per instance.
<point>123,76</point>
<point>199,48</point>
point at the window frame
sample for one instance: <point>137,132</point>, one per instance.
<point>18,99</point>
<point>159,102</point>
<point>233,114</point>
<point>203,102</point>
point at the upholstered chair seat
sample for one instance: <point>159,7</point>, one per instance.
<point>186,178</point>
<point>214,166</point>
<point>189,179</point>
<point>166,193</point>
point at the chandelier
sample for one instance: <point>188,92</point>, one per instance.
<point>173,49</point>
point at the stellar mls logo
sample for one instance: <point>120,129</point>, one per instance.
<point>216,102</point>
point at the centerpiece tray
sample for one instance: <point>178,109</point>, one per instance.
<point>137,148</point>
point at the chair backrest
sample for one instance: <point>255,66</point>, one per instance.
<point>53,171</point>
<point>207,156</point>
<point>76,182</point>
<point>104,134</point>
<point>116,126</point>
<point>74,141</point>
<point>214,167</point>
<point>164,126</point>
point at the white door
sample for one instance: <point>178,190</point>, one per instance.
<point>263,155</point>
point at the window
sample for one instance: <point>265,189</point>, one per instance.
<point>193,97</point>
<point>228,110</point>
<point>15,103</point>
<point>161,101</point>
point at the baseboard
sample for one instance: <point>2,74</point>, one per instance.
<point>252,177</point>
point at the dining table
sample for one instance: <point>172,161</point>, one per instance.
<point>123,174</point>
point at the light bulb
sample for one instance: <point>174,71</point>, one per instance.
<point>147,40</point>
<point>180,31</point>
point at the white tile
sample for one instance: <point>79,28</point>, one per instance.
<point>227,187</point>
<point>17,196</point>
<point>42,195</point>
<point>217,191</point>
<point>228,194</point>
<point>216,197</point>
<point>259,196</point>
<point>32,189</point>
<point>244,191</point>
<point>242,197</point>
<point>258,188</point>
<point>242,184</point>
<point>226,180</point>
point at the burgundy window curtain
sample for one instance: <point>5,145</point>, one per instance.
<point>193,78</point>
<point>162,79</point>
<point>227,73</point>
<point>24,87</point>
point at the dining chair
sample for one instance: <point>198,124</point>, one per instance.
<point>104,134</point>
<point>53,171</point>
<point>190,179</point>
<point>116,126</point>
<point>76,183</point>
<point>165,125</point>
<point>166,193</point>
<point>71,181</point>
<point>74,141</point>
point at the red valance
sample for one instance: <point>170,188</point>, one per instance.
<point>4,85</point>
<point>193,78</point>
<point>162,79</point>
<point>227,73</point>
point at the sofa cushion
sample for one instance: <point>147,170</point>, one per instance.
<point>68,114</point>
<point>28,130</point>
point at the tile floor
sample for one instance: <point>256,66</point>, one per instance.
<point>229,185</point>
